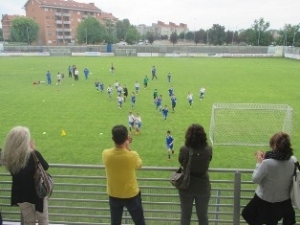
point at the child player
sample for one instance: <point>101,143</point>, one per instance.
<point>138,123</point>
<point>165,112</point>
<point>101,86</point>
<point>169,144</point>
<point>158,102</point>
<point>120,100</point>
<point>190,98</point>
<point>173,101</point>
<point>131,120</point>
<point>133,100</point>
<point>109,91</point>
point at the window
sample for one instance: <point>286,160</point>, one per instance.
<point>78,13</point>
<point>46,9</point>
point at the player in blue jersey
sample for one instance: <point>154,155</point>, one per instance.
<point>133,100</point>
<point>97,85</point>
<point>86,73</point>
<point>48,76</point>
<point>169,78</point>
<point>165,112</point>
<point>173,101</point>
<point>158,102</point>
<point>171,91</point>
<point>70,70</point>
<point>169,144</point>
<point>101,86</point>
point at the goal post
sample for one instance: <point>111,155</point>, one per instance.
<point>248,124</point>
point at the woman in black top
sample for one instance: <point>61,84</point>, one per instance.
<point>199,188</point>
<point>18,159</point>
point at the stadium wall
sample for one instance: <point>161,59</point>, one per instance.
<point>154,51</point>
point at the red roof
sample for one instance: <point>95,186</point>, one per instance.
<point>70,4</point>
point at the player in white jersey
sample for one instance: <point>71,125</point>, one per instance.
<point>120,100</point>
<point>190,98</point>
<point>202,92</point>
<point>131,120</point>
<point>109,91</point>
<point>138,123</point>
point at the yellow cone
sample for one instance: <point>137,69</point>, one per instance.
<point>63,133</point>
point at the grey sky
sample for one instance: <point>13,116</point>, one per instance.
<point>233,14</point>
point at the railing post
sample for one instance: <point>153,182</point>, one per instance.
<point>237,198</point>
<point>217,207</point>
<point>22,219</point>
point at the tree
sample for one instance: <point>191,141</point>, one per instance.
<point>197,38</point>
<point>174,38</point>
<point>247,36</point>
<point>121,28</point>
<point>24,29</point>
<point>217,34</point>
<point>110,38</point>
<point>260,27</point>
<point>150,37</point>
<point>132,35</point>
<point>189,36</point>
<point>288,35</point>
<point>229,37</point>
<point>181,35</point>
<point>203,36</point>
<point>91,31</point>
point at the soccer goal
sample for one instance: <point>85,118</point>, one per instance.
<point>248,124</point>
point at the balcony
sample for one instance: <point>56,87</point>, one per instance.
<point>80,197</point>
<point>62,14</point>
<point>61,37</point>
<point>63,29</point>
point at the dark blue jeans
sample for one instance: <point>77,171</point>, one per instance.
<point>133,205</point>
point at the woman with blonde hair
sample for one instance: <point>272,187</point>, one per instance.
<point>18,157</point>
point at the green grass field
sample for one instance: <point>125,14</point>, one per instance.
<point>84,113</point>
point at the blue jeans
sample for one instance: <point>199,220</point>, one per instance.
<point>133,205</point>
<point>186,204</point>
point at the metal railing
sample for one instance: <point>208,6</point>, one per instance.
<point>80,196</point>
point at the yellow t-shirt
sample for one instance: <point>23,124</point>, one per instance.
<point>120,165</point>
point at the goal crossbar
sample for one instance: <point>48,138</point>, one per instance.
<point>248,124</point>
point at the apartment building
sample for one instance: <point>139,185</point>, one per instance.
<point>161,29</point>
<point>6,25</point>
<point>58,19</point>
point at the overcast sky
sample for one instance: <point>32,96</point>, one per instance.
<point>233,14</point>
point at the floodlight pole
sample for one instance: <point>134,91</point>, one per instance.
<point>194,32</point>
<point>295,33</point>
<point>27,29</point>
<point>86,36</point>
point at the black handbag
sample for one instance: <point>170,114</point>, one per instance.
<point>181,177</point>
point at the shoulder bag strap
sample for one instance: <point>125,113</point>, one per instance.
<point>36,160</point>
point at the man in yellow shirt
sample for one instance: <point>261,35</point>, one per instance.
<point>120,164</point>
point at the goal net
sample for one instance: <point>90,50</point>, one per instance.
<point>248,124</point>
